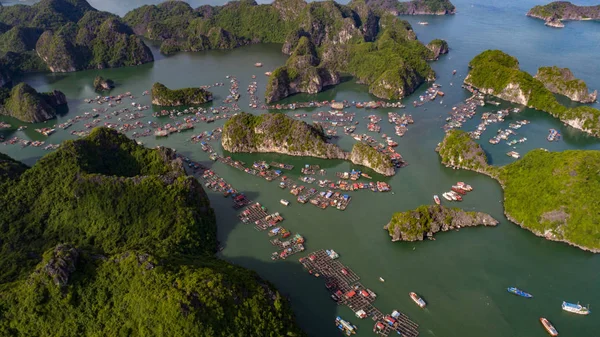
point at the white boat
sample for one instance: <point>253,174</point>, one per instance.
<point>361,314</point>
<point>436,199</point>
<point>447,196</point>
<point>418,300</point>
<point>258,64</point>
<point>575,308</point>
<point>284,202</point>
<point>452,195</point>
<point>381,279</point>
<point>423,23</point>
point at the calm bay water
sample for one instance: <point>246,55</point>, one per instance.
<point>463,276</point>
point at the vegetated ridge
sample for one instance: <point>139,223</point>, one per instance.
<point>161,95</point>
<point>26,104</point>
<point>552,194</point>
<point>496,73</point>
<point>105,237</point>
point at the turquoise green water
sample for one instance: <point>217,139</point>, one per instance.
<point>463,276</point>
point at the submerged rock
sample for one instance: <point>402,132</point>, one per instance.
<point>424,221</point>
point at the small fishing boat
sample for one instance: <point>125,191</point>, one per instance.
<point>268,73</point>
<point>423,23</point>
<point>446,196</point>
<point>519,292</point>
<point>361,314</point>
<point>284,202</point>
<point>418,300</point>
<point>258,64</point>
<point>346,327</point>
<point>549,327</point>
<point>436,199</point>
<point>575,308</point>
<point>381,279</point>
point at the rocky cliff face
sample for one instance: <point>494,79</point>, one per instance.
<point>562,81</point>
<point>438,47</point>
<point>555,12</point>
<point>58,52</point>
<point>425,221</point>
<point>27,105</point>
<point>60,264</point>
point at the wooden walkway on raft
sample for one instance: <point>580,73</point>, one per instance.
<point>341,281</point>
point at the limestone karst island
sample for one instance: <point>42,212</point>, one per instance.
<point>299,168</point>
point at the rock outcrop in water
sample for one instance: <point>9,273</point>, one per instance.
<point>102,84</point>
<point>551,194</point>
<point>161,95</point>
<point>496,73</point>
<point>424,221</point>
<point>279,133</point>
<point>27,105</point>
<point>438,47</point>
<point>562,81</point>
<point>555,12</point>
<point>365,155</point>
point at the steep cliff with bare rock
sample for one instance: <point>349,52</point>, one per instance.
<point>438,47</point>
<point>562,81</point>
<point>279,133</point>
<point>496,73</point>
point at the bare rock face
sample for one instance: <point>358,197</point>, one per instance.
<point>60,265</point>
<point>424,221</point>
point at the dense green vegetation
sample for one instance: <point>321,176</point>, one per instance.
<point>26,104</point>
<point>377,160</point>
<point>68,35</point>
<point>276,133</point>
<point>459,150</point>
<point>549,193</point>
<point>106,238</point>
<point>495,71</point>
<point>161,95</point>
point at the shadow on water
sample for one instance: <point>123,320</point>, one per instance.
<point>315,311</point>
<point>227,216</point>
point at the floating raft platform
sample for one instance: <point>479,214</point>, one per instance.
<point>282,166</point>
<point>343,284</point>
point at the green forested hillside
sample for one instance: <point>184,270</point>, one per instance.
<point>106,238</point>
